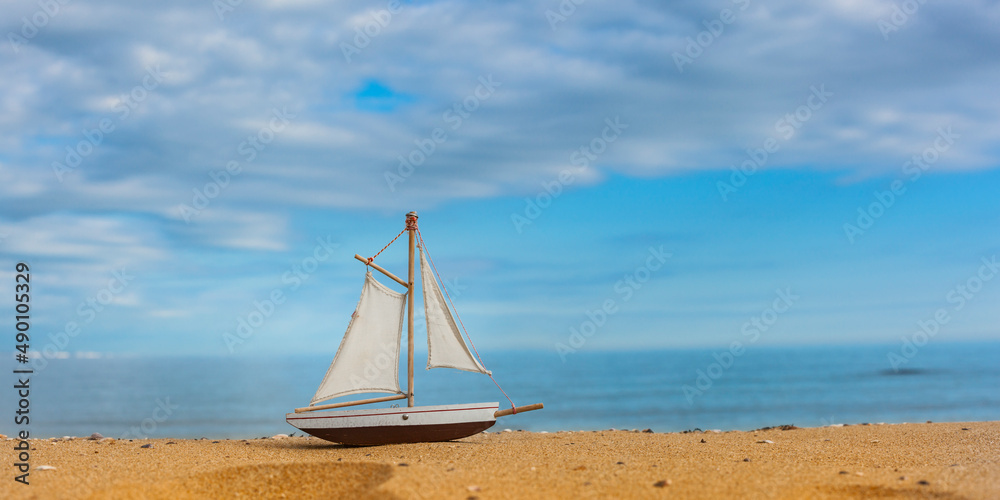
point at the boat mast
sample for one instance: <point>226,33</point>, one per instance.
<point>411,226</point>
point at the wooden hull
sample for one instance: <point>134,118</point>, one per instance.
<point>419,424</point>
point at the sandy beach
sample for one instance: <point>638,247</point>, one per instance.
<point>937,460</point>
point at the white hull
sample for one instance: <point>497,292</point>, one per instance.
<point>397,425</point>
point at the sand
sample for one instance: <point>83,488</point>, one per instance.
<point>940,460</point>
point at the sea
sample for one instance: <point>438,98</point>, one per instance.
<point>139,397</point>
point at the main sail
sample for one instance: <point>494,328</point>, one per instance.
<point>445,347</point>
<point>368,357</point>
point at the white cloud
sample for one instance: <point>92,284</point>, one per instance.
<point>222,79</point>
<point>83,238</point>
<point>242,230</point>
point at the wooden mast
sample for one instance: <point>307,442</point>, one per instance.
<point>411,226</point>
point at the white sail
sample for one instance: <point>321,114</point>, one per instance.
<point>368,357</point>
<point>445,347</point>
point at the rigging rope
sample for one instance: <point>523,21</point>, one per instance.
<point>423,245</point>
<point>372,258</point>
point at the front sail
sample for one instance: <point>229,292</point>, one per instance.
<point>368,357</point>
<point>445,347</point>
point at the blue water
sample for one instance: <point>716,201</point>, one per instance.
<point>223,397</point>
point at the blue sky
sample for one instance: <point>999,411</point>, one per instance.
<point>167,168</point>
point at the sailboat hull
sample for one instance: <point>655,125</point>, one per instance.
<point>418,424</point>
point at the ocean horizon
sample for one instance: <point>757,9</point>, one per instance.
<point>667,390</point>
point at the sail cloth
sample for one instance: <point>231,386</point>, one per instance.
<point>445,347</point>
<point>368,357</point>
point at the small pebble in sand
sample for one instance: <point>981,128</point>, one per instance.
<point>766,441</point>
<point>95,436</point>
<point>147,445</point>
<point>616,463</point>
<point>966,429</point>
<point>404,464</point>
<point>703,441</point>
<point>663,483</point>
<point>923,483</point>
<point>474,488</point>
<point>746,459</point>
<point>902,478</point>
<point>844,472</point>
<point>45,467</point>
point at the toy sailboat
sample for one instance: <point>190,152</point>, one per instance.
<point>368,361</point>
